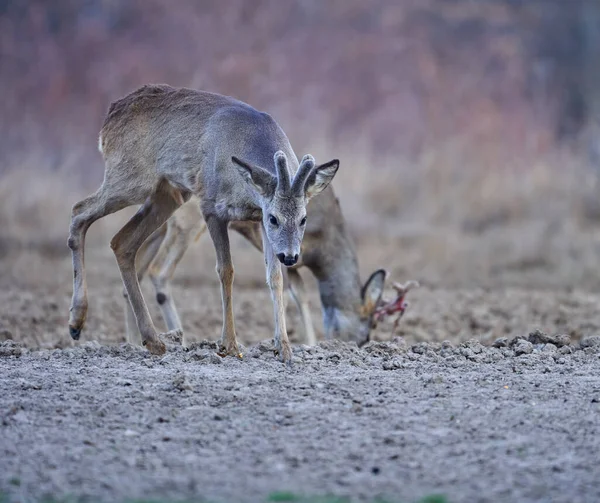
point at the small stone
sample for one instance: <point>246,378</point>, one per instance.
<point>421,348</point>
<point>523,347</point>
<point>262,348</point>
<point>474,345</point>
<point>590,342</point>
<point>539,337</point>
<point>561,340</point>
<point>501,342</point>
<point>383,349</point>
<point>515,340</point>
<point>205,344</point>
<point>204,356</point>
<point>392,364</point>
<point>467,353</point>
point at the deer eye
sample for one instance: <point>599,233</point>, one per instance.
<point>273,221</point>
<point>303,222</point>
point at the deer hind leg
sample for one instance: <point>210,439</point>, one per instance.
<point>146,254</point>
<point>180,234</point>
<point>275,282</point>
<point>218,232</point>
<point>126,243</point>
<point>298,294</point>
<point>84,214</point>
<point>251,231</point>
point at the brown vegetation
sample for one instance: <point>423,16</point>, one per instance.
<point>460,125</point>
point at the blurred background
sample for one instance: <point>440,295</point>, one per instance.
<point>468,130</point>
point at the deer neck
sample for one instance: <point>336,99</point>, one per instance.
<point>336,270</point>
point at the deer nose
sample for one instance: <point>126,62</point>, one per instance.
<point>287,260</point>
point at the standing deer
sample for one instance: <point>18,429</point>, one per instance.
<point>327,250</point>
<point>161,145</point>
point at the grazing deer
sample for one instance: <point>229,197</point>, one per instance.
<point>162,145</point>
<point>349,308</point>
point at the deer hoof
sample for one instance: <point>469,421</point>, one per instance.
<point>285,354</point>
<point>230,350</point>
<point>155,346</point>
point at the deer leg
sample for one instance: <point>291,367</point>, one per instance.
<point>162,270</point>
<point>218,232</point>
<point>145,256</point>
<point>176,242</point>
<point>298,293</point>
<point>126,243</point>
<point>83,215</point>
<point>275,282</point>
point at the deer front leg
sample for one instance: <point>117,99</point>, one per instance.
<point>298,293</point>
<point>275,282</point>
<point>218,232</point>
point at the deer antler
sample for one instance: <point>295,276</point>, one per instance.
<point>397,305</point>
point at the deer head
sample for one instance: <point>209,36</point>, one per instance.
<point>283,200</point>
<point>353,321</point>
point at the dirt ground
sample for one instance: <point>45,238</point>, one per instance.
<point>441,407</point>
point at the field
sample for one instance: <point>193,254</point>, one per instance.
<point>468,139</point>
<point>462,401</point>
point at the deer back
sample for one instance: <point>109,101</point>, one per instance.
<point>189,137</point>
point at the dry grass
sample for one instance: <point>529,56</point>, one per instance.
<point>449,169</point>
<point>443,220</point>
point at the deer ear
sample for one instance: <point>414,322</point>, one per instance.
<point>372,291</point>
<point>259,179</point>
<point>320,178</point>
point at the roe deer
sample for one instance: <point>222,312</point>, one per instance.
<point>161,145</point>
<point>327,250</point>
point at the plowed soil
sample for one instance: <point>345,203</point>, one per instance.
<point>485,393</point>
